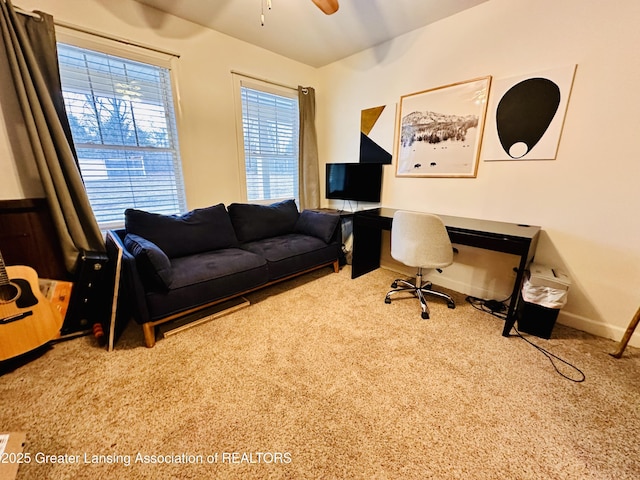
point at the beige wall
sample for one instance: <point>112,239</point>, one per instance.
<point>585,200</point>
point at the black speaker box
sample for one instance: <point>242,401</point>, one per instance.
<point>90,302</point>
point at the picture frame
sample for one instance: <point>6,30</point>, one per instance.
<point>439,131</point>
<point>526,115</point>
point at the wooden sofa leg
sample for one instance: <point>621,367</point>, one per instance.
<point>336,266</point>
<point>149,331</point>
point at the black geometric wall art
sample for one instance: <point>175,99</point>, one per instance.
<point>371,152</point>
<point>526,115</point>
<point>376,132</point>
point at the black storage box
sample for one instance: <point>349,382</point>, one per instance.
<point>536,319</point>
<point>89,302</point>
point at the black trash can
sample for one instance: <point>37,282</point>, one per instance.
<point>544,293</point>
<point>536,319</point>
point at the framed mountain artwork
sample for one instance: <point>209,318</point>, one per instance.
<point>439,130</point>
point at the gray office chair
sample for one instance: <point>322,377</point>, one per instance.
<point>420,240</point>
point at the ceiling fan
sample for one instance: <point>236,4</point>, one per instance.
<point>327,6</point>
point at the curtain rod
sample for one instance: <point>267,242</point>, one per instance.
<point>95,33</point>
<point>24,12</point>
<point>124,41</point>
<point>253,77</point>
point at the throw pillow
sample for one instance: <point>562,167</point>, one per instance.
<point>255,222</point>
<point>152,262</point>
<point>199,230</point>
<point>317,224</point>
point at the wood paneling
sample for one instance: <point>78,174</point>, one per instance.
<point>28,237</point>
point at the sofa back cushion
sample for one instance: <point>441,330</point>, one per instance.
<point>254,222</point>
<point>321,225</point>
<point>199,230</point>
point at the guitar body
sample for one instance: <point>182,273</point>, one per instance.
<point>27,319</point>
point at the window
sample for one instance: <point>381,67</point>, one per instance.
<point>270,127</point>
<point>124,130</point>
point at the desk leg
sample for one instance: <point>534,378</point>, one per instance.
<point>515,296</point>
<point>367,242</point>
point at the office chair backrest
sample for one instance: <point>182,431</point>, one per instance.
<point>420,240</point>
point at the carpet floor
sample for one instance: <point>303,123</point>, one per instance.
<point>320,379</point>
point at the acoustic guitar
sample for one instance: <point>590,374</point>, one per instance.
<point>27,319</point>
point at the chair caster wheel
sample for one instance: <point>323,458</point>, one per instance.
<point>425,316</point>
<point>394,285</point>
<point>451,305</point>
<point>387,300</point>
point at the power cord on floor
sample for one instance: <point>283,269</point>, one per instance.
<point>552,358</point>
<point>498,308</point>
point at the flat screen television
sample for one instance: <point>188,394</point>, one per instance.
<point>354,181</point>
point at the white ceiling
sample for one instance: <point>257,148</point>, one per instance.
<point>299,30</point>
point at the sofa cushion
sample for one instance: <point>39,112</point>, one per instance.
<point>255,222</point>
<point>292,253</point>
<point>152,262</point>
<point>318,224</point>
<point>199,230</point>
<point>206,277</point>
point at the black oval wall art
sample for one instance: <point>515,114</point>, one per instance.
<point>524,113</point>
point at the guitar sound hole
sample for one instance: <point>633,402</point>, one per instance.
<point>8,293</point>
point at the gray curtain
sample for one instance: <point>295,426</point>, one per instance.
<point>37,83</point>
<point>309,174</point>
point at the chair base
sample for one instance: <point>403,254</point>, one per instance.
<point>419,290</point>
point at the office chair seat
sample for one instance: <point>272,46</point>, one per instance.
<point>420,240</point>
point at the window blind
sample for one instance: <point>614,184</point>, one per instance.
<point>270,126</point>
<point>124,130</point>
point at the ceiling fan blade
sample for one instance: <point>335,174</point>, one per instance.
<point>327,6</point>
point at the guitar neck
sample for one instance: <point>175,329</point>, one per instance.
<point>4,277</point>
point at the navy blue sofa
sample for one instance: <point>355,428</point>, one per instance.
<point>174,265</point>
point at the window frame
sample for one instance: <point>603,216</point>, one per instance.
<point>138,53</point>
<point>239,81</point>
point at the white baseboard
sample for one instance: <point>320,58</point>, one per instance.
<point>596,328</point>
